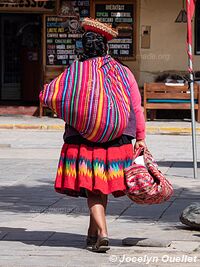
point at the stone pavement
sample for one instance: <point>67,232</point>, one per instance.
<point>39,227</point>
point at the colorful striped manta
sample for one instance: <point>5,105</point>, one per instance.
<point>93,97</point>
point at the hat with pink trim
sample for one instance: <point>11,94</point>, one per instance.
<point>95,25</point>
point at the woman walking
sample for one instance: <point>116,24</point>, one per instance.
<point>94,169</point>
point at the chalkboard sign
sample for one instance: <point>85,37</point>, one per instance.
<point>63,35</point>
<point>120,16</point>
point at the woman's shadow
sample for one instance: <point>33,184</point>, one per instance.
<point>48,238</point>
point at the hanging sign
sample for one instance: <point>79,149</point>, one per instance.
<point>27,5</point>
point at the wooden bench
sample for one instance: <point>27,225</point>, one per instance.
<point>43,108</point>
<point>160,96</point>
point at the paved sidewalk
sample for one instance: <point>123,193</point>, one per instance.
<point>48,123</point>
<point>39,227</point>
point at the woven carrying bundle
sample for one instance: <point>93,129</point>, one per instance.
<point>146,184</point>
<point>93,97</point>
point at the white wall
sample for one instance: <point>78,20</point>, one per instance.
<point>168,40</point>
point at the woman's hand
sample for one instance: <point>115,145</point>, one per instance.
<point>139,143</point>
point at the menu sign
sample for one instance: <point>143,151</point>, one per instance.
<point>63,35</point>
<point>120,16</point>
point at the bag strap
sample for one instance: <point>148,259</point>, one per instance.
<point>138,152</point>
<point>148,158</point>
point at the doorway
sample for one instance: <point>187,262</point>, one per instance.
<point>20,58</point>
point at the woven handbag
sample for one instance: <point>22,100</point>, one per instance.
<point>93,97</point>
<point>146,184</point>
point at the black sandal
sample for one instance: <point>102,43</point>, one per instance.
<point>102,245</point>
<point>91,240</point>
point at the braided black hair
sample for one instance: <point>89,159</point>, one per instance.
<point>94,45</point>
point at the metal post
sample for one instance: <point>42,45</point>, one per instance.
<point>190,13</point>
<point>194,143</point>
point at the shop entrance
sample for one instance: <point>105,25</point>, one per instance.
<point>20,58</point>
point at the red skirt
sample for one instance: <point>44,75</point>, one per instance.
<point>85,167</point>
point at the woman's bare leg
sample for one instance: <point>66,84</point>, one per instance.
<point>92,230</point>
<point>97,205</point>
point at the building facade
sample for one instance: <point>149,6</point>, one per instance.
<point>40,38</point>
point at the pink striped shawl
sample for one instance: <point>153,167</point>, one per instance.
<point>93,97</point>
